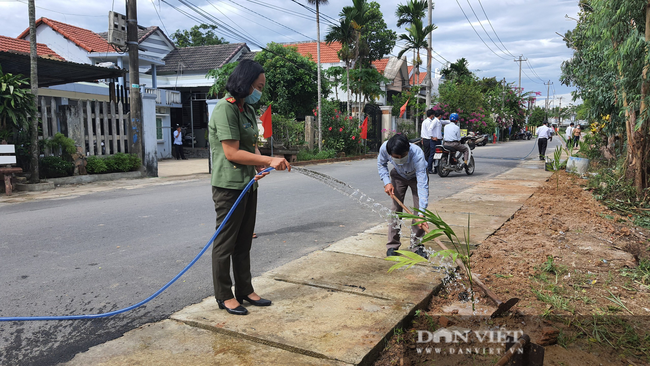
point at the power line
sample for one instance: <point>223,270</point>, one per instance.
<point>267,18</point>
<point>479,36</point>
<point>222,13</point>
<point>495,32</point>
<point>481,24</point>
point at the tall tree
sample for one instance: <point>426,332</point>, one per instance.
<point>290,83</point>
<point>198,35</point>
<point>407,13</point>
<point>610,66</point>
<point>320,131</point>
<point>416,39</point>
<point>344,33</point>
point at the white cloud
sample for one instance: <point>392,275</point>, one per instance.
<point>525,27</point>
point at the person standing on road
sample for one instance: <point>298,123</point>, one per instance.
<point>409,171</point>
<point>436,138</point>
<point>569,136</point>
<point>452,138</point>
<point>426,135</point>
<point>576,136</point>
<point>178,143</point>
<point>543,134</point>
<point>236,160</point>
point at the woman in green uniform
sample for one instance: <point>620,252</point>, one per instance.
<point>235,161</point>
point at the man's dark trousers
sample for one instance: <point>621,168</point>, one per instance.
<point>179,152</point>
<point>541,143</point>
<point>432,152</point>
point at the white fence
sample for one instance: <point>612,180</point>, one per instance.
<point>100,128</point>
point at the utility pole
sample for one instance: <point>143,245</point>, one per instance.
<point>135,102</point>
<point>34,151</point>
<point>559,115</point>
<point>520,60</point>
<point>428,81</point>
<point>548,91</point>
<point>320,110</point>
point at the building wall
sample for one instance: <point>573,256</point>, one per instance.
<point>61,45</point>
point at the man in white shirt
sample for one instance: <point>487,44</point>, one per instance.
<point>569,136</point>
<point>436,137</point>
<point>452,137</point>
<point>425,135</point>
<point>543,134</point>
<point>178,143</point>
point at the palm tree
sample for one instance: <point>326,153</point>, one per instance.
<point>320,110</point>
<point>407,14</point>
<point>359,16</point>
<point>344,33</point>
<point>414,9</point>
<point>415,39</point>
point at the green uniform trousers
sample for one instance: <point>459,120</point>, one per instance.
<point>233,242</point>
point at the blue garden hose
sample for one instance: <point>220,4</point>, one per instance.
<point>104,315</point>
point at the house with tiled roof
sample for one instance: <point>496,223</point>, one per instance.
<point>14,45</point>
<point>420,79</point>
<point>398,73</point>
<point>84,46</point>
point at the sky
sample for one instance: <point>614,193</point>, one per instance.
<point>490,34</point>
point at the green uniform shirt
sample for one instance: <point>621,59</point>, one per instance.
<point>229,122</point>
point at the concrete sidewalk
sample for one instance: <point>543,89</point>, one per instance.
<point>332,307</point>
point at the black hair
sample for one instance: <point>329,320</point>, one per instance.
<point>398,145</point>
<point>242,77</point>
<point>438,113</point>
<point>545,122</point>
<point>571,124</point>
<point>430,112</point>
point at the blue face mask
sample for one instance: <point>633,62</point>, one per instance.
<point>254,97</point>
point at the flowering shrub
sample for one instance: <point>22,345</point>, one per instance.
<point>340,132</point>
<point>477,121</point>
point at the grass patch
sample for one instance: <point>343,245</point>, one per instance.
<point>639,275</point>
<point>555,300</point>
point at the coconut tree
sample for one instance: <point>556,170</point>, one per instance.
<point>344,33</point>
<point>317,3</point>
<point>407,14</point>
<point>416,38</point>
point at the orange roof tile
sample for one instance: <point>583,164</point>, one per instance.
<point>413,78</point>
<point>327,52</point>
<point>22,46</point>
<point>84,38</point>
<point>380,65</point>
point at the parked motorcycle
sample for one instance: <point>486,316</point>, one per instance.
<point>451,160</point>
<point>479,140</point>
<point>526,135</point>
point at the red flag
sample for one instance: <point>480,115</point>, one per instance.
<point>364,129</point>
<point>403,109</point>
<point>266,123</point>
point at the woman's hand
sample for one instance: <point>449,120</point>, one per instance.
<point>276,163</point>
<point>280,164</point>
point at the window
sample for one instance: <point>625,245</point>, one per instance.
<point>159,133</point>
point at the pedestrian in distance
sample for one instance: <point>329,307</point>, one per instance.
<point>436,139</point>
<point>425,135</point>
<point>452,138</point>
<point>178,143</point>
<point>409,171</point>
<point>569,136</point>
<point>236,160</point>
<point>544,133</point>
<point>576,136</point>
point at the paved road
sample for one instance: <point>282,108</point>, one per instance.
<point>105,251</point>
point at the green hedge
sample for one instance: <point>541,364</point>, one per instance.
<point>55,167</point>
<point>113,163</point>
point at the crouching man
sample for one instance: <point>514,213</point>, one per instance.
<point>409,171</point>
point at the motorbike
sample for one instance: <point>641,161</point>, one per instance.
<point>479,140</point>
<point>451,160</point>
<point>526,135</point>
